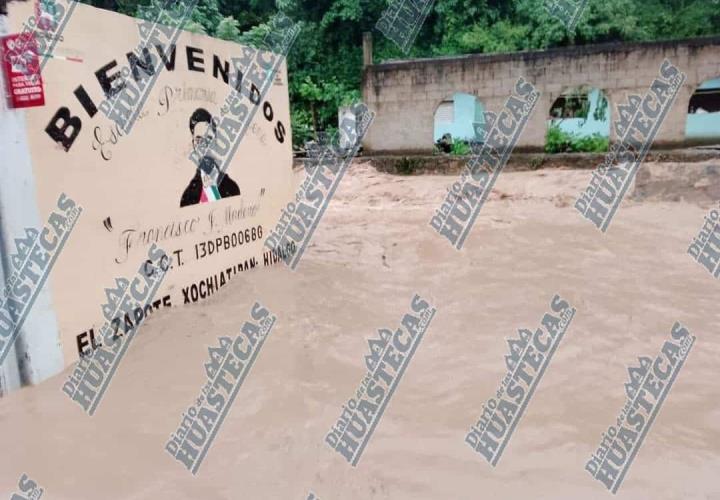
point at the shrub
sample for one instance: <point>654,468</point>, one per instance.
<point>558,141</point>
<point>460,148</point>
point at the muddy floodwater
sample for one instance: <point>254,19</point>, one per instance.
<point>372,252</point>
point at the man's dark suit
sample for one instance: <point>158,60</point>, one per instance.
<point>193,193</point>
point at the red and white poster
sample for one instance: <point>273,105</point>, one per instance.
<point>21,67</point>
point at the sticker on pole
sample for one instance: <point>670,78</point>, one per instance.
<point>21,66</point>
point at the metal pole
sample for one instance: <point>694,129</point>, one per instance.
<point>37,351</point>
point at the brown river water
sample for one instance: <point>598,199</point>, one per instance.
<point>372,252</point>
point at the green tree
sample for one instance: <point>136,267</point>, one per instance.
<point>325,64</point>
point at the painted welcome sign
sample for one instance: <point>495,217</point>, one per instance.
<point>138,189</point>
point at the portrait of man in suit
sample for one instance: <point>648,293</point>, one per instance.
<point>204,186</point>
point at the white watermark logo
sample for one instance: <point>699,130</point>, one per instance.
<point>29,489</point>
<point>256,70</point>
<point>567,11</point>
<point>648,386</point>
<point>456,216</point>
<point>229,363</point>
<point>530,354</point>
<point>326,167</point>
<point>705,247</point>
<point>402,20</point>
<point>638,122</point>
<point>125,308</point>
<point>125,101</point>
<point>30,267</point>
<point>390,354</point>
<point>39,36</point>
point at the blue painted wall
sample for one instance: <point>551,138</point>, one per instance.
<point>468,110</point>
<point>589,126</point>
<point>704,125</point>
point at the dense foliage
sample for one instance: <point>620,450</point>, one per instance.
<point>559,141</point>
<point>326,62</point>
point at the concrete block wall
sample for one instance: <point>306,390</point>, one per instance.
<point>405,94</point>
